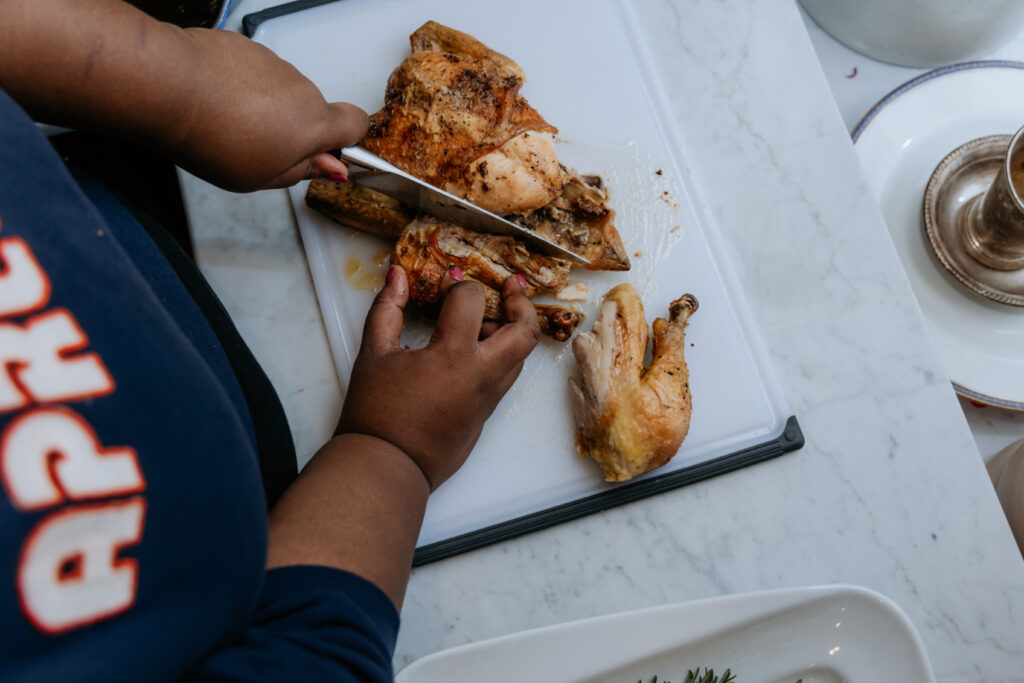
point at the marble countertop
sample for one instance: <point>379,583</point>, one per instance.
<point>889,492</point>
<point>857,83</point>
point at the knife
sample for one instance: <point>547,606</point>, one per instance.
<point>412,191</point>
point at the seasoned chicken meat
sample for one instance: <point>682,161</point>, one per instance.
<point>428,248</point>
<point>630,419</point>
<point>517,178</point>
<point>491,259</point>
<point>580,220</point>
<point>453,116</point>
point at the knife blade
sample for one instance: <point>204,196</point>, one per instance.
<point>412,191</point>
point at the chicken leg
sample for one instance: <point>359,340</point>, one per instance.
<point>632,420</point>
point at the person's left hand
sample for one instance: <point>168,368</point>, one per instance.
<point>431,403</point>
<point>253,121</point>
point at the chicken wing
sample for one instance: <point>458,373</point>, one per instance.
<point>632,420</point>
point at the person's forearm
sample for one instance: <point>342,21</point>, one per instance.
<point>99,64</point>
<point>357,506</point>
<point>214,102</point>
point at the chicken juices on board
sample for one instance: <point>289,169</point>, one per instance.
<point>632,420</point>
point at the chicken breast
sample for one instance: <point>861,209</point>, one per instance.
<point>453,116</point>
<point>579,220</point>
<point>632,420</point>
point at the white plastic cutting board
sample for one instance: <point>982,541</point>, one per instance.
<point>588,73</point>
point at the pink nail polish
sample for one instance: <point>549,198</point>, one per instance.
<point>456,273</point>
<point>391,274</point>
<point>338,177</point>
<point>521,280</point>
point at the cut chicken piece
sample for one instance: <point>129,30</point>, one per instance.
<point>632,420</point>
<point>517,178</point>
<point>488,258</point>
<point>445,110</point>
<point>522,173</point>
<point>453,117</point>
<point>428,248</point>
<point>580,220</point>
<point>440,38</point>
<point>358,206</point>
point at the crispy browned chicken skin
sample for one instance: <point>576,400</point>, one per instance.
<point>632,420</point>
<point>453,116</point>
<point>428,247</point>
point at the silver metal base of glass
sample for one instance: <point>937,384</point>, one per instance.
<point>963,175</point>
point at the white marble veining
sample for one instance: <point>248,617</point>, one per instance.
<point>888,493</point>
<point>857,83</point>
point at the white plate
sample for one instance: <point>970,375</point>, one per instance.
<point>900,142</point>
<point>824,634</point>
<point>613,120</point>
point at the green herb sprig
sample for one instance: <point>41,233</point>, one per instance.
<point>695,676</point>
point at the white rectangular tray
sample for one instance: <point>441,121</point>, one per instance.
<point>589,74</point>
<point>823,634</point>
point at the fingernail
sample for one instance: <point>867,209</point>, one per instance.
<point>521,280</point>
<point>456,273</point>
<point>338,177</point>
<point>391,274</point>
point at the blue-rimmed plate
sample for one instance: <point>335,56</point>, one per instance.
<point>900,141</point>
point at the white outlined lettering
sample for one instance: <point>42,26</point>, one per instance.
<point>39,365</point>
<point>50,455</point>
<point>24,286</point>
<point>69,572</point>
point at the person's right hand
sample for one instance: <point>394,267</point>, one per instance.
<point>253,121</point>
<point>216,103</point>
<point>432,402</point>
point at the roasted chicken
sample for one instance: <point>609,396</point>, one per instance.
<point>427,247</point>
<point>453,116</point>
<point>580,220</point>
<point>631,420</point>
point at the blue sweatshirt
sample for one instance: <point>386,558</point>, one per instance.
<point>133,528</point>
